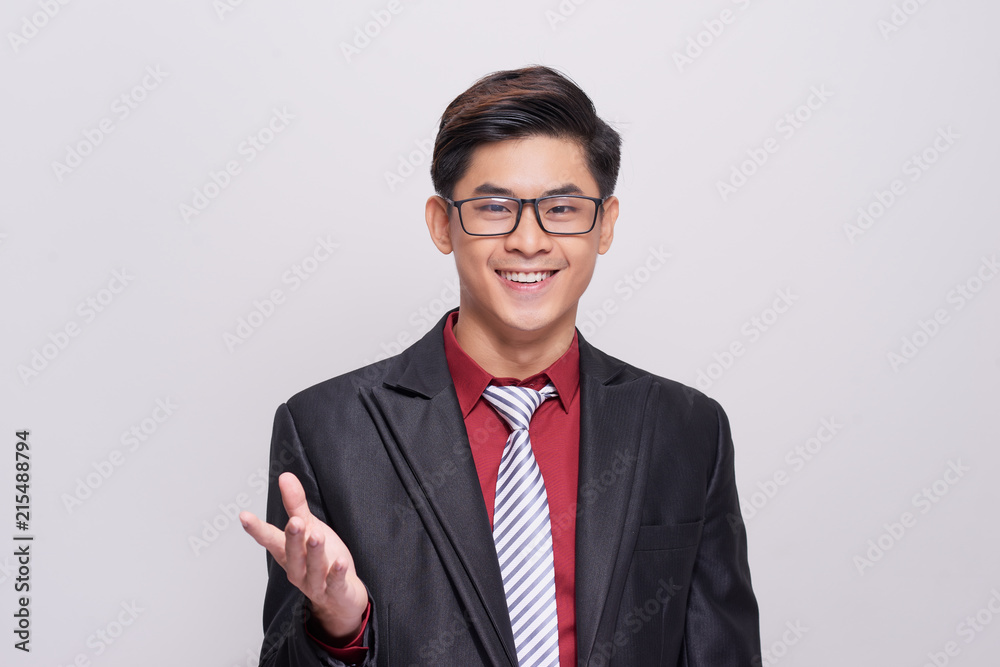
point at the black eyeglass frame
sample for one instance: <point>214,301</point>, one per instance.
<point>538,216</point>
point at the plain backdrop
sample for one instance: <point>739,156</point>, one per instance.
<point>208,206</point>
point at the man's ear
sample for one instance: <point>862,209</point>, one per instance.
<point>607,224</point>
<point>439,223</point>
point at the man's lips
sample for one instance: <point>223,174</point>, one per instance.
<point>525,277</point>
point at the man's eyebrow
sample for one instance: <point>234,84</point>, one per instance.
<point>487,189</point>
<point>565,189</point>
<point>491,189</point>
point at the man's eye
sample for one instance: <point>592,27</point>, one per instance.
<point>561,211</point>
<point>494,209</point>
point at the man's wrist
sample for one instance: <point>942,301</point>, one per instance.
<point>336,631</point>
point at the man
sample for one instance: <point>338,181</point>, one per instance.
<point>502,492</point>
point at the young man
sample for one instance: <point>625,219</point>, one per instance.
<point>503,493</point>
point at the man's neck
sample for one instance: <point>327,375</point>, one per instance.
<point>516,356</point>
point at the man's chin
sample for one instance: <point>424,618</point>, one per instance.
<point>533,322</point>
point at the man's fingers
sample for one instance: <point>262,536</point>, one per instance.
<point>301,548</point>
<point>293,496</point>
<point>266,535</point>
<point>317,564</point>
<point>295,550</point>
<point>336,578</point>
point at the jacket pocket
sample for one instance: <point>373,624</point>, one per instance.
<point>669,536</point>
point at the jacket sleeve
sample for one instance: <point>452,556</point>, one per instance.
<point>723,626</point>
<point>286,608</point>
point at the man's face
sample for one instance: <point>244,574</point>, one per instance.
<point>491,295</point>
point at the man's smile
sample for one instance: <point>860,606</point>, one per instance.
<point>525,277</point>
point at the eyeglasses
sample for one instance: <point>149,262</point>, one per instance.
<point>564,215</point>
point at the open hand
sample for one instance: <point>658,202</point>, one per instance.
<point>315,559</point>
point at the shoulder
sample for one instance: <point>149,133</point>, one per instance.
<point>340,392</point>
<point>679,398</point>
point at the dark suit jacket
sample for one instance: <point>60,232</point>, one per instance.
<point>661,559</point>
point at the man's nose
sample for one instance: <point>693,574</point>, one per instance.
<point>529,237</point>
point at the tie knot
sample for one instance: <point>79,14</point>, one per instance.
<point>517,404</point>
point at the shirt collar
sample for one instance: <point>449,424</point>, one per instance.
<point>471,380</point>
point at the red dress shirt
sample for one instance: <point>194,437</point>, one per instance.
<point>555,441</point>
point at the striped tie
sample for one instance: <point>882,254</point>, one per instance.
<point>522,533</point>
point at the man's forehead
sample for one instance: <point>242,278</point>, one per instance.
<point>530,143</point>
<point>555,164</point>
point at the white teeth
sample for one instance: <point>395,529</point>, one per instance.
<point>533,277</point>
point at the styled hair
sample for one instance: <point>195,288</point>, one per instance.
<point>515,104</point>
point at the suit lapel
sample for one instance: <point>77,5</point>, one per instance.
<point>420,422</point>
<point>613,439</point>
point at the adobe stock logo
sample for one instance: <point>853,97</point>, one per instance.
<point>797,458</point>
<point>217,182</point>
<point>102,639</point>
<point>967,629</point>
<point>773,654</point>
<point>420,320</point>
<point>121,107</point>
<point>88,310</point>
<point>787,126</point>
<point>407,164</point>
<point>712,30</point>
<point>228,514</point>
<point>223,7</point>
<point>752,330</point>
<point>958,298</point>
<point>562,12</point>
<point>133,438</point>
<point>900,16</point>
<point>264,308</point>
<point>32,25</point>
<point>914,169</point>
<point>630,283</point>
<point>363,35</point>
<point>924,500</point>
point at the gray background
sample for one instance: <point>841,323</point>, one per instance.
<point>888,89</point>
